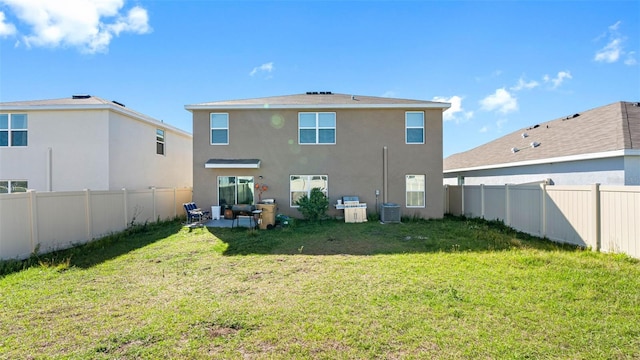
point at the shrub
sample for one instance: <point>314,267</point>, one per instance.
<point>314,206</point>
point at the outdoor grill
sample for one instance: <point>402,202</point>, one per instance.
<point>354,210</point>
<point>242,209</point>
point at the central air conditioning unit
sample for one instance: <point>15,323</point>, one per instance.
<point>389,212</point>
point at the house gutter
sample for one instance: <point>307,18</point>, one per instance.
<point>592,156</point>
<point>443,106</point>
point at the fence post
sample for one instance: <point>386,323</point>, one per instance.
<point>482,201</point>
<point>154,201</point>
<point>595,191</point>
<point>507,205</point>
<point>33,217</point>
<point>462,197</point>
<point>543,218</point>
<point>175,200</point>
<point>87,208</point>
<point>126,216</point>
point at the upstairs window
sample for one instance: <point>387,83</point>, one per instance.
<point>414,127</point>
<point>219,129</point>
<point>13,130</point>
<point>159,141</point>
<point>317,128</point>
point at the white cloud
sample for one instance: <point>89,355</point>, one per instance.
<point>559,79</point>
<point>484,129</point>
<point>631,59</point>
<point>614,49</point>
<point>610,53</point>
<point>522,84</point>
<point>455,112</point>
<point>88,25</point>
<point>6,29</point>
<point>268,67</point>
<point>501,101</point>
<point>500,123</point>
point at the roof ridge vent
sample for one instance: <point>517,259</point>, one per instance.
<point>81,96</point>
<point>319,93</point>
<point>117,103</point>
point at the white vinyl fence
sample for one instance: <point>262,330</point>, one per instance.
<point>604,218</point>
<point>49,221</point>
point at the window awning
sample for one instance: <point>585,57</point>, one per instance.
<point>232,164</point>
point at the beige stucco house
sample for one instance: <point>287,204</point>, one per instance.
<point>85,142</point>
<point>381,150</point>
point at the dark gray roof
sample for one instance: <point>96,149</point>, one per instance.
<point>319,99</point>
<point>607,128</point>
<point>232,163</point>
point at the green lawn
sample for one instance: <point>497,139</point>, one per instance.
<point>439,289</point>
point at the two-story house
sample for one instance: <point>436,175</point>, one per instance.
<point>85,142</point>
<point>382,150</point>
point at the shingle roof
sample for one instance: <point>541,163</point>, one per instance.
<point>79,102</point>
<point>318,99</point>
<point>74,100</point>
<point>607,128</point>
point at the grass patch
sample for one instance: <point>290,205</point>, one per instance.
<point>451,288</point>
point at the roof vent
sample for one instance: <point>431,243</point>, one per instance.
<point>117,103</point>
<point>571,117</point>
<point>514,150</point>
<point>83,96</point>
<point>524,135</point>
<point>535,144</point>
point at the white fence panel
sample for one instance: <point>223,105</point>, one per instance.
<point>494,203</point>
<point>140,207</point>
<point>61,219</point>
<point>525,205</point>
<point>620,224</point>
<point>107,212</point>
<point>50,221</point>
<point>605,218</point>
<point>15,225</point>
<point>570,215</point>
<point>472,201</point>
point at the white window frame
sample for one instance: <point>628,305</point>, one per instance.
<point>160,140</point>
<point>212,128</point>
<point>308,182</point>
<point>236,182</point>
<point>10,129</point>
<point>407,127</point>
<point>410,189</point>
<point>317,128</point>
<point>9,186</point>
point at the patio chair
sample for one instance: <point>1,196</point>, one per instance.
<point>193,212</point>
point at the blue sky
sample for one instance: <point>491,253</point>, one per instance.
<point>503,65</point>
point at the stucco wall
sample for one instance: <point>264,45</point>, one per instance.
<point>96,149</point>
<point>79,151</point>
<point>354,164</point>
<point>133,161</point>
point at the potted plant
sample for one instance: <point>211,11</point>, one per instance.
<point>228,212</point>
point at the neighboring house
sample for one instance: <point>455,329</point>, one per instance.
<point>379,149</point>
<point>601,145</point>
<point>84,142</point>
